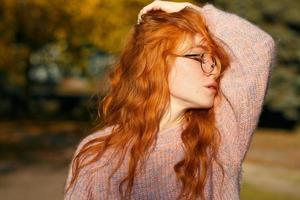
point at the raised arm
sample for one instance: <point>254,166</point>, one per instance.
<point>244,85</point>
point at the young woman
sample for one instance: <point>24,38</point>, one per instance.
<point>185,98</point>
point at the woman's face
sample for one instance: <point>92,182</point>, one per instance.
<point>188,84</point>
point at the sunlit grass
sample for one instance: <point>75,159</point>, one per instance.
<point>250,192</point>
<point>270,170</point>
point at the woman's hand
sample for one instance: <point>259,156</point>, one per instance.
<point>166,6</point>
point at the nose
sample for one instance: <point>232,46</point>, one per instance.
<point>214,74</point>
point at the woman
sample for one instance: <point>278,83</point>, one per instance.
<point>185,98</point>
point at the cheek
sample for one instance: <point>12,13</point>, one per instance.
<point>186,84</point>
<point>185,78</point>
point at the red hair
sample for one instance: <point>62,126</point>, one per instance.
<point>139,96</point>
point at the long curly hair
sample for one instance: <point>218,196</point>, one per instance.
<point>139,96</point>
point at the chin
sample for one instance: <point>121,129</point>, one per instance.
<point>207,105</point>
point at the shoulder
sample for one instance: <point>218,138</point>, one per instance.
<point>99,133</point>
<point>102,132</point>
<point>85,176</point>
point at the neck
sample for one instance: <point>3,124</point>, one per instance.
<point>172,116</point>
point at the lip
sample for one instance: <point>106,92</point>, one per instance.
<point>212,89</point>
<point>212,86</point>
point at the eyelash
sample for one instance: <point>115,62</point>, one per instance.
<point>196,57</point>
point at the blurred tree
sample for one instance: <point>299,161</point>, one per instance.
<point>39,36</point>
<point>28,26</point>
<point>70,34</point>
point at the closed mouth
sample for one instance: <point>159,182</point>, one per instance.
<point>212,88</point>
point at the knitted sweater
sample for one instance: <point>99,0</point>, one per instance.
<point>244,87</point>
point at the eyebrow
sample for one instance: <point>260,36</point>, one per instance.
<point>200,46</point>
<point>201,50</point>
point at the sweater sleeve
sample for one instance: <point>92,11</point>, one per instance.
<point>245,82</point>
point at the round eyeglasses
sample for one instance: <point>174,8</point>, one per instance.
<point>208,63</point>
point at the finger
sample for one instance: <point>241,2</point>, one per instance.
<point>145,10</point>
<point>152,6</point>
<point>140,15</point>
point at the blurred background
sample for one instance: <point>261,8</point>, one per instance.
<point>54,55</point>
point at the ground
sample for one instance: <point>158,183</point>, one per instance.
<point>270,171</point>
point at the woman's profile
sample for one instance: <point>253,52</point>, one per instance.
<point>184,100</point>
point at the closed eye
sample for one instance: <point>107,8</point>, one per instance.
<point>197,57</point>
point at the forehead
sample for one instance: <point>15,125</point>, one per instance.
<point>193,42</point>
<point>198,40</point>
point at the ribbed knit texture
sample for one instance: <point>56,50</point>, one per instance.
<point>244,86</point>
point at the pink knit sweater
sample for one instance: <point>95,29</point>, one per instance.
<point>244,86</point>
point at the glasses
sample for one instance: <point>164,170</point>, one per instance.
<point>208,63</point>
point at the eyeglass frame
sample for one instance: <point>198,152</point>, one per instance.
<point>201,62</point>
